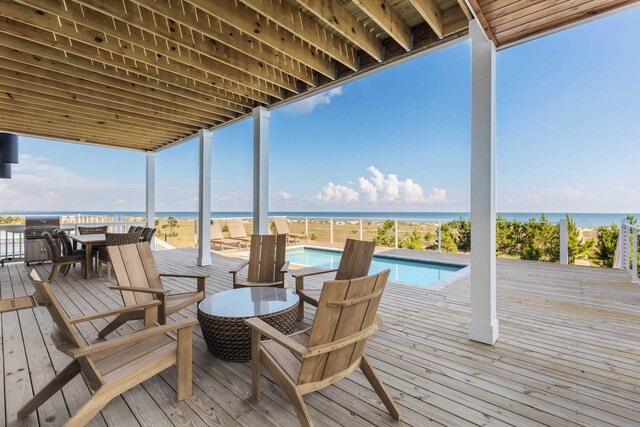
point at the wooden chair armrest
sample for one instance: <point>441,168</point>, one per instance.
<point>131,338</point>
<point>141,290</point>
<point>341,343</point>
<point>240,266</point>
<point>188,276</point>
<point>275,335</point>
<point>285,267</point>
<point>313,273</point>
<point>136,307</point>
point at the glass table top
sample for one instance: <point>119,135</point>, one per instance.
<point>248,302</point>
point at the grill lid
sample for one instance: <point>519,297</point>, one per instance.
<point>35,225</point>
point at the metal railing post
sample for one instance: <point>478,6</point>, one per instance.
<point>624,243</point>
<point>440,236</point>
<point>331,230</point>
<point>564,242</point>
<point>396,223</point>
<point>306,227</point>
<point>361,234</point>
<point>634,252</point>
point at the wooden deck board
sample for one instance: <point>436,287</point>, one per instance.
<point>568,354</point>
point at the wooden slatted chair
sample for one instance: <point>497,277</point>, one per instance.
<point>327,352</point>
<point>139,282</point>
<point>355,262</point>
<point>237,231</point>
<point>267,265</point>
<point>282,227</point>
<point>217,236</point>
<point>110,368</point>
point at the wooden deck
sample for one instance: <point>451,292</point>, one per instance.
<point>568,354</point>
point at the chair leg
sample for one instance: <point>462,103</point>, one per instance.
<point>115,324</point>
<point>185,344</point>
<point>54,272</point>
<point>63,377</point>
<point>94,405</point>
<point>256,378</point>
<point>379,388</point>
<point>299,287</point>
<point>99,268</point>
<point>108,271</point>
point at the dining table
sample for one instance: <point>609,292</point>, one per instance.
<point>89,241</point>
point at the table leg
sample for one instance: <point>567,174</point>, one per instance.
<point>87,260</point>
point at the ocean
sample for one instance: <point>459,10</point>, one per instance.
<point>581,219</point>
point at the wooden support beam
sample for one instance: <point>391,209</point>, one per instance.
<point>103,59</point>
<point>335,15</point>
<point>465,9</point>
<point>113,100</point>
<point>388,19</point>
<point>240,17</point>
<point>431,13</point>
<point>483,21</point>
<point>163,35</point>
<point>306,28</point>
<point>453,21</point>
<point>34,54</point>
<point>109,44</point>
<point>204,33</point>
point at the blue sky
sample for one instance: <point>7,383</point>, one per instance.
<point>567,121</point>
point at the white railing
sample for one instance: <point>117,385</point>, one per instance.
<point>157,244</point>
<point>626,257</point>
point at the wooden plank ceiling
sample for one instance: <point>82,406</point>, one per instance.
<point>145,73</point>
<point>510,21</point>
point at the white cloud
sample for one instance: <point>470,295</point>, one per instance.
<point>307,105</point>
<point>380,189</point>
<point>332,194</point>
<point>285,196</point>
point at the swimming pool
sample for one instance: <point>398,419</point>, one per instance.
<point>403,270</point>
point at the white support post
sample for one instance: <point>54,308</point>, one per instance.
<point>624,243</point>
<point>261,170</point>
<point>151,189</point>
<point>396,233</point>
<point>306,228</point>
<point>331,230</point>
<point>634,254</point>
<point>204,198</point>
<point>564,242</point>
<point>483,326</point>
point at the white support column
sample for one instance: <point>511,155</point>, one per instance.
<point>204,198</point>
<point>150,207</point>
<point>564,242</point>
<point>483,326</point>
<point>261,170</point>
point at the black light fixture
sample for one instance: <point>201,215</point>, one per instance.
<point>5,170</point>
<point>8,147</point>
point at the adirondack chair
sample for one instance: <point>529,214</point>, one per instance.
<point>217,237</point>
<point>110,368</point>
<point>139,282</point>
<point>355,262</point>
<point>237,231</point>
<point>267,266</point>
<point>330,350</point>
<point>282,227</point>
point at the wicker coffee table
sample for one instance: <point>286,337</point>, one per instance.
<point>222,316</point>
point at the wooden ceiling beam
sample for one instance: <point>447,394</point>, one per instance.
<point>59,122</point>
<point>306,28</point>
<point>112,99</point>
<point>30,109</point>
<point>335,15</point>
<point>204,33</point>
<point>104,59</point>
<point>32,131</point>
<point>482,20</point>
<point>34,54</point>
<point>192,47</point>
<point>431,12</point>
<point>248,22</point>
<point>15,88</point>
<point>453,21</point>
<point>388,19</point>
<point>465,9</point>
<point>108,45</point>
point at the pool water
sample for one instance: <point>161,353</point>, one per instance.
<point>413,272</point>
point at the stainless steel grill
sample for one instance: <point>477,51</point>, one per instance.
<point>35,247</point>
